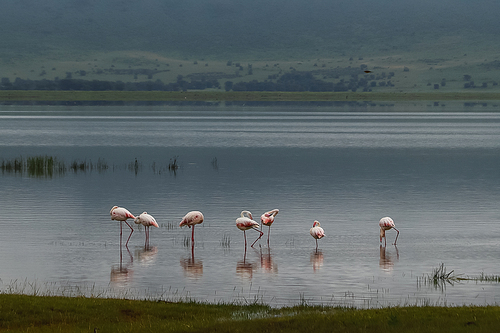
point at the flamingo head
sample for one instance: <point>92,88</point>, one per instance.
<point>112,209</point>
<point>273,212</point>
<point>247,213</point>
<point>316,224</point>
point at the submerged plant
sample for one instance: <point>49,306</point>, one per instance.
<point>439,273</point>
<point>439,278</point>
<point>487,278</point>
<point>48,166</point>
<point>172,165</point>
<point>225,241</point>
<point>215,164</point>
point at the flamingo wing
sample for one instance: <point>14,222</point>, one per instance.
<point>267,219</point>
<point>317,232</point>
<point>146,220</point>
<point>192,218</point>
<point>244,223</point>
<point>386,223</point>
<point>120,214</point>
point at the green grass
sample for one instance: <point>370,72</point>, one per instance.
<point>37,95</point>
<point>22,313</point>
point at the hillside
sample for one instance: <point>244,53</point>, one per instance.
<point>426,46</point>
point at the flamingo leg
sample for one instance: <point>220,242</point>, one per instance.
<point>131,232</point>
<point>396,236</point>
<point>121,254</point>
<point>260,236</point>
<point>245,235</point>
<point>316,245</point>
<point>268,234</point>
<point>192,237</point>
<point>121,231</point>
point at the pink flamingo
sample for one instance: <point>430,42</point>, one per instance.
<point>267,219</point>
<point>245,223</point>
<point>191,219</point>
<point>317,232</point>
<point>386,223</point>
<point>147,221</point>
<point>121,214</point>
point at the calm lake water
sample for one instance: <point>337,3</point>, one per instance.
<point>434,168</point>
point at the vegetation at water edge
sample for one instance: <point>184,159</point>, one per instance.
<point>23,313</point>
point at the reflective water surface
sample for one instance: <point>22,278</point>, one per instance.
<point>434,169</point>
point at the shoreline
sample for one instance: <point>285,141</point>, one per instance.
<point>218,96</point>
<point>81,314</point>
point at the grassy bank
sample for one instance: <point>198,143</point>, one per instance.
<point>130,96</point>
<point>21,313</point>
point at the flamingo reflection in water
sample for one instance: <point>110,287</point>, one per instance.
<point>267,219</point>
<point>245,268</point>
<point>316,260</point>
<point>267,263</point>
<point>245,223</point>
<point>146,255</point>
<point>386,223</point>
<point>121,214</point>
<point>147,221</point>
<point>193,267</point>
<point>386,261</point>
<point>121,274</point>
<point>317,232</point>
<point>191,219</point>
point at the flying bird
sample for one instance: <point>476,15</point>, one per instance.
<point>386,223</point>
<point>147,221</point>
<point>191,219</point>
<point>245,223</point>
<point>121,214</point>
<point>317,232</point>
<point>267,219</point>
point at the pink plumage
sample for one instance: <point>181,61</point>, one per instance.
<point>191,219</point>
<point>147,221</point>
<point>386,223</point>
<point>267,219</point>
<point>121,214</point>
<point>246,223</point>
<point>317,232</point>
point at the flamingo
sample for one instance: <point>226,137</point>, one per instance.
<point>267,219</point>
<point>386,223</point>
<point>147,221</point>
<point>191,219</point>
<point>121,214</point>
<point>246,222</point>
<point>317,232</point>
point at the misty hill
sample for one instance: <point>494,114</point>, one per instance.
<point>41,38</point>
<point>243,28</point>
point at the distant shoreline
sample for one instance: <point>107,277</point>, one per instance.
<point>215,96</point>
